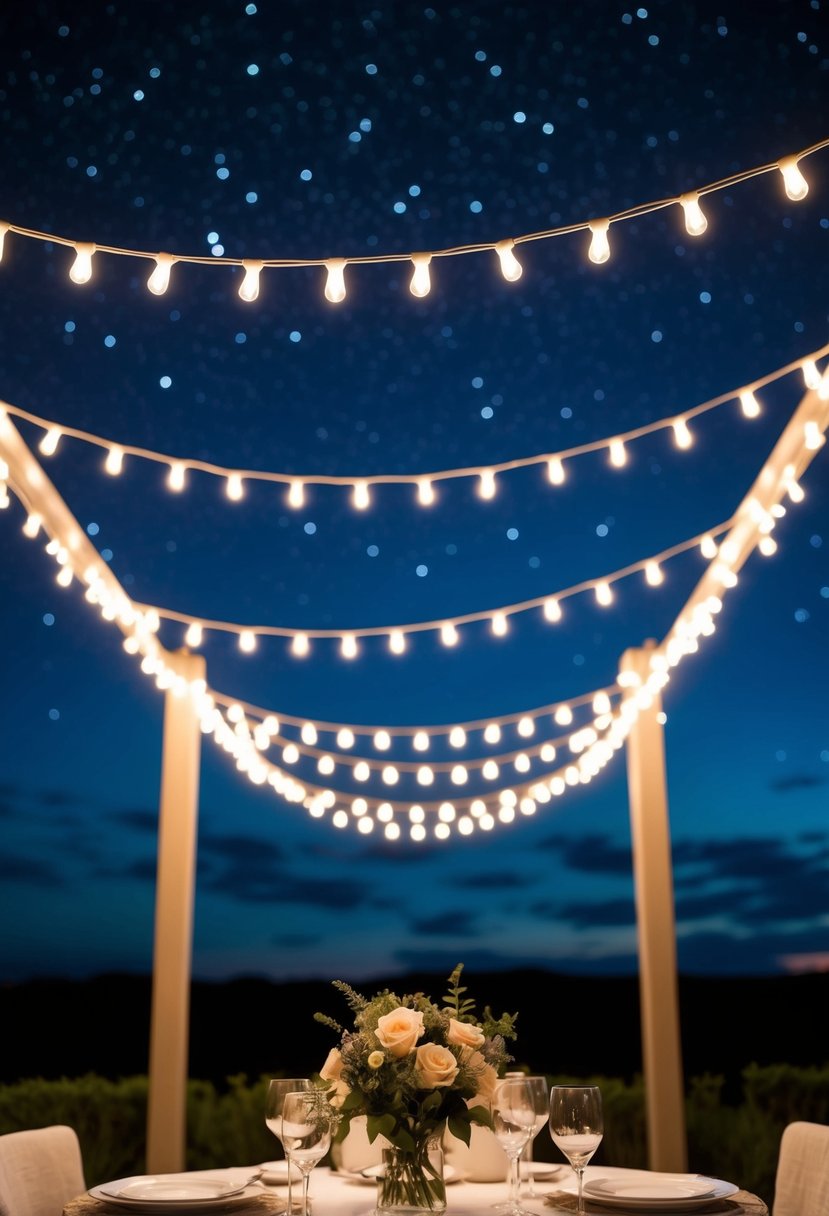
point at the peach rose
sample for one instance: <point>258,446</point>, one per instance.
<point>435,1066</point>
<point>399,1030</point>
<point>486,1078</point>
<point>463,1034</point>
<point>333,1066</point>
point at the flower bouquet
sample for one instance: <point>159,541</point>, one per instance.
<point>414,1068</point>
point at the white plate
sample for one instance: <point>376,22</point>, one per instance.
<point>172,1192</point>
<point>617,1180</point>
<point>540,1169</point>
<point>275,1173</point>
<point>372,1172</point>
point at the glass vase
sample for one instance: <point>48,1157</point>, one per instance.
<point>412,1181</point>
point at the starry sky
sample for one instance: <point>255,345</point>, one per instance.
<point>313,131</point>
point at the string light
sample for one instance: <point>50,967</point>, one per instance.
<point>296,493</point>
<point>486,484</point>
<point>159,279</point>
<point>360,498</point>
<point>750,404</point>
<point>555,471</point>
<point>618,454</point>
<point>511,268</point>
<point>114,461</point>
<point>81,269</point>
<point>682,435</point>
<point>335,280</point>
<point>421,283</point>
<point>234,488</point>
<point>794,182</point>
<point>49,443</point>
<point>4,227</point>
<point>695,221</point>
<point>599,250</point>
<point>249,287</point>
<point>176,476</point>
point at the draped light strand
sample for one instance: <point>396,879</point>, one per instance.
<point>486,475</point>
<point>81,270</point>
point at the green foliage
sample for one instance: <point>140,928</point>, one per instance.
<point>226,1126</point>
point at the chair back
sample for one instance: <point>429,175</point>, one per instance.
<point>40,1171</point>
<point>802,1184</point>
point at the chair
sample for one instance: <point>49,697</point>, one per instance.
<point>802,1184</point>
<point>40,1171</point>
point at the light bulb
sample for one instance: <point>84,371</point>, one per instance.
<point>511,268</point>
<point>490,771</point>
<point>361,771</point>
<point>335,280</point>
<point>425,776</point>
<point>348,646</point>
<point>175,478</point>
<point>421,282</point>
<point>32,525</point>
<point>695,221</point>
<point>4,227</point>
<point>234,488</point>
<point>458,775</point>
<point>389,774</point>
<point>49,443</point>
<point>296,494</point>
<point>64,576</point>
<point>563,715</point>
<point>345,738</point>
<point>486,484</point>
<point>813,437</point>
<point>300,645</point>
<point>794,182</point>
<point>249,287</point>
<point>81,269</point>
<point>604,595</point>
<point>555,471</point>
<point>420,742</point>
<point>767,545</point>
<point>601,703</point>
<point>457,737</point>
<point>114,461</point>
<point>499,624</point>
<point>247,641</point>
<point>708,547</point>
<point>360,497</point>
<point>492,733</point>
<point>811,375</point>
<point>159,280</point>
<point>193,636</point>
<point>653,574</point>
<point>382,740</point>
<point>425,492</point>
<point>526,727</point>
<point>618,454</point>
<point>599,245</point>
<point>448,634</point>
<point>749,403</point>
<point>397,641</point>
<point>682,435</point>
<point>308,734</point>
<point>552,610</point>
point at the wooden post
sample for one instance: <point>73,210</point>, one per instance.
<point>173,945</point>
<point>656,930</point>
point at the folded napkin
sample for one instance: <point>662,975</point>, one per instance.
<point>740,1204</point>
<point>258,1205</point>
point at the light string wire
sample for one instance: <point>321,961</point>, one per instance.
<point>235,477</point>
<point>81,271</point>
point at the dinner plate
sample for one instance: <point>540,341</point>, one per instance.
<point>173,1193</point>
<point>372,1172</point>
<point>275,1173</point>
<point>539,1169</point>
<point>647,1191</point>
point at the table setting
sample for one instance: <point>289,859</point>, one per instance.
<point>417,1114</point>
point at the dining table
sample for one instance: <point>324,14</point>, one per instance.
<point>339,1193</point>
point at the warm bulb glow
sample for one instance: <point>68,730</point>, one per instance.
<point>448,634</point>
<point>335,281</point>
<point>682,436</point>
<point>767,545</point>
<point>749,403</point>
<point>526,728</point>
<point>159,280</point>
<point>420,742</point>
<point>81,269</point>
<point>599,245</point>
<point>390,775</point>
<point>458,775</point>
<point>555,471</point>
<point>563,715</point>
<point>175,478</point>
<point>397,641</point>
<point>813,437</point>
<point>618,454</point>
<point>486,484</point>
<point>653,574</point>
<point>361,771</point>
<point>64,576</point>
<point>348,646</point>
<point>695,221</point>
<point>511,268</point>
<point>425,492</point>
<point>249,287</point>
<point>49,443</point>
<point>552,610</point>
<point>499,624</point>
<point>425,776</point>
<point>421,282</point>
<point>360,497</point>
<point>811,375</point>
<point>114,461</point>
<point>32,525</point>
<point>300,645</point>
<point>604,595</point>
<point>247,641</point>
<point>457,737</point>
<point>708,547</point>
<point>492,733</point>
<point>4,227</point>
<point>794,182</point>
<point>296,494</point>
<point>193,636</point>
<point>345,738</point>
<point>234,488</point>
<point>490,771</point>
<point>382,740</point>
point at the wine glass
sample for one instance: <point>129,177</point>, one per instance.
<point>306,1133</point>
<point>513,1122</point>
<point>576,1125</point>
<point>274,1099</point>
<point>541,1103</point>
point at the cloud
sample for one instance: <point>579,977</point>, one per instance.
<point>141,820</point>
<point>447,924</point>
<point>590,854</point>
<point>796,781</point>
<point>24,869</point>
<point>494,880</point>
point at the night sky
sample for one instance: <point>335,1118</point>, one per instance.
<point>309,131</point>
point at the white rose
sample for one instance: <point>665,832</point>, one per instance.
<point>337,1093</point>
<point>463,1034</point>
<point>435,1066</point>
<point>486,1078</point>
<point>399,1030</point>
<point>333,1066</point>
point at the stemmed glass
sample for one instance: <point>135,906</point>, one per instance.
<point>306,1134</point>
<point>576,1125</point>
<point>541,1103</point>
<point>513,1122</point>
<point>273,1113</point>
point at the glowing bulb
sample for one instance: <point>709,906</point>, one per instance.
<point>290,753</point>
<point>490,770</point>
<point>794,182</point>
<point>653,574</point>
<point>618,454</point>
<point>382,740</point>
<point>448,634</point>
<point>420,742</point>
<point>458,775</point>
<point>682,435</point>
<point>795,490</point>
<point>397,641</point>
<point>175,478</point>
<point>601,703</point>
<point>159,280</point>
<point>64,576</point>
<point>325,765</point>
<point>486,484</point>
<point>32,525</point>
<point>4,228</point>
<point>345,738</point>
<point>247,641</point>
<point>749,403</point>
<point>389,774</point>
<point>361,771</point>
<point>604,595</point>
<point>695,221</point>
<point>421,282</point>
<point>234,488</point>
<point>522,763</point>
<point>499,624</point>
<point>555,471</point>
<point>767,545</point>
<point>193,636</point>
<point>360,497</point>
<point>49,443</point>
<point>526,728</point>
<point>81,269</point>
<point>425,492</point>
<point>599,245</point>
<point>511,268</point>
<point>348,646</point>
<point>563,715</point>
<point>813,437</point>
<point>249,287</point>
<point>296,494</point>
<point>335,280</point>
<point>425,776</point>
<point>811,375</point>
<point>457,737</point>
<point>300,645</point>
<point>308,733</point>
<point>492,733</point>
<point>552,610</point>
<point>114,461</point>
<point>708,547</point>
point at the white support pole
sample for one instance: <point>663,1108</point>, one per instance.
<point>656,929</point>
<point>172,957</point>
